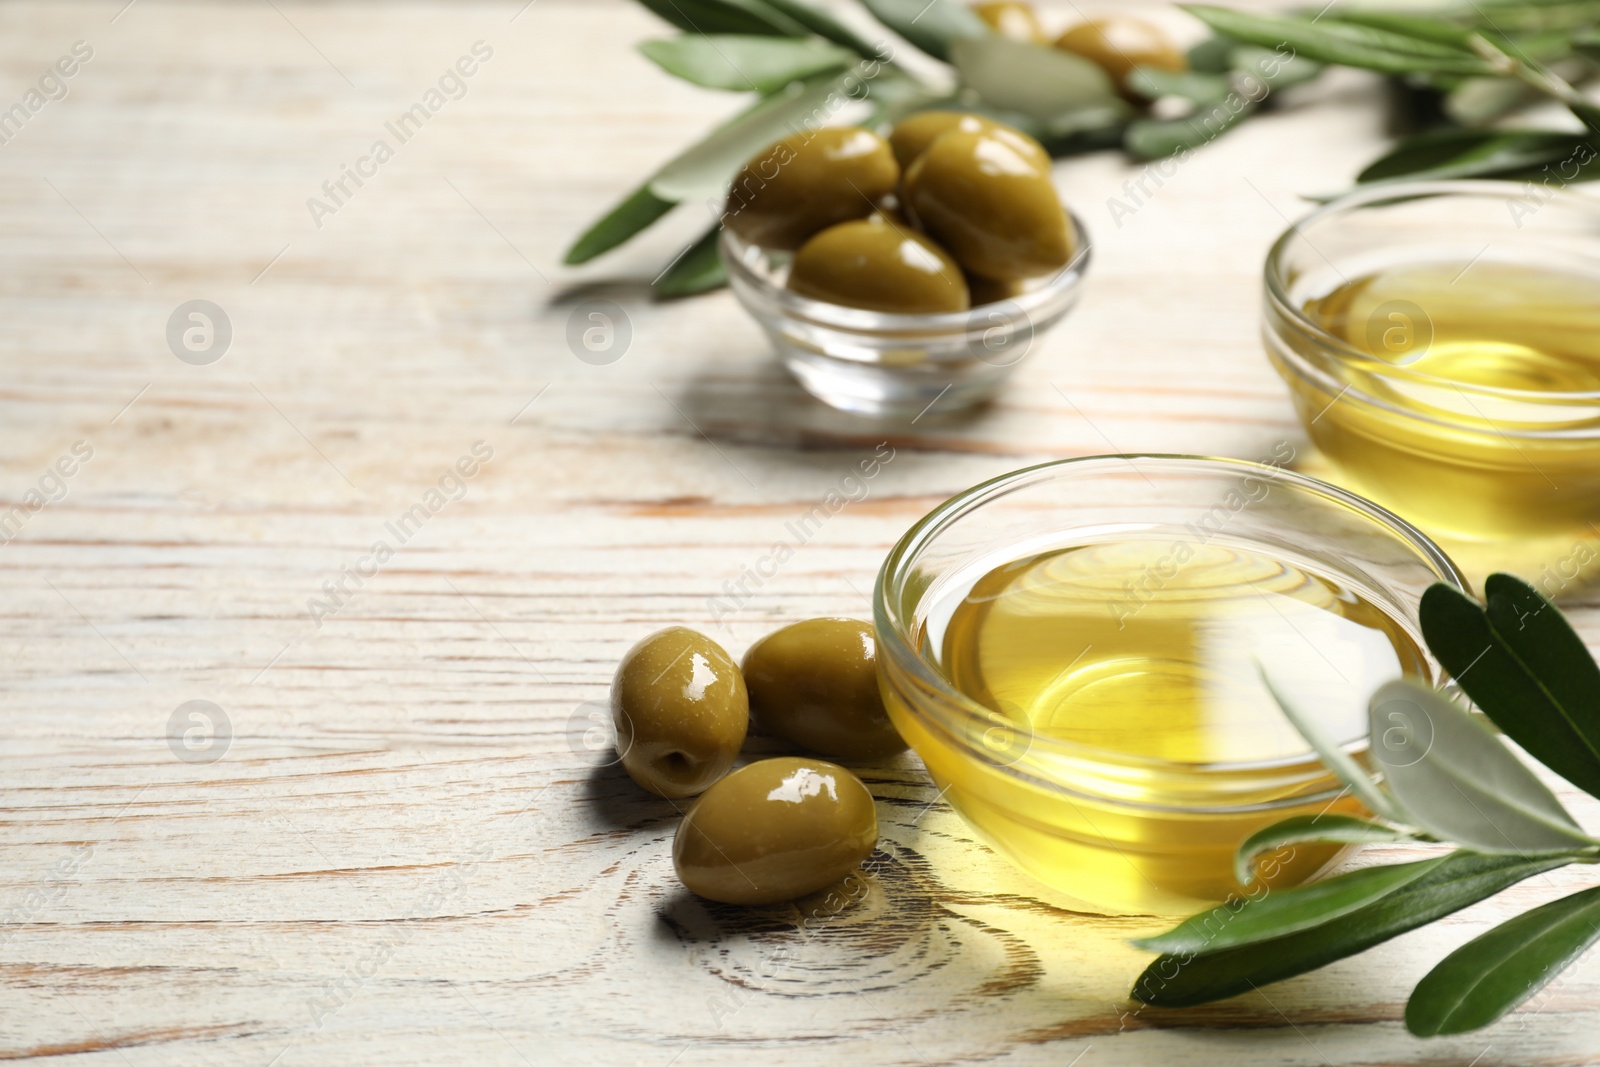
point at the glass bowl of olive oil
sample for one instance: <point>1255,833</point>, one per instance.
<point>1077,652</point>
<point>1442,345</point>
<point>892,365</point>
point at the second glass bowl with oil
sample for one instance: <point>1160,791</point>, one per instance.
<point>1076,651</point>
<point>1442,345</point>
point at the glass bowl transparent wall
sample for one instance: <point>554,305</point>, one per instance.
<point>875,363</point>
<point>1083,819</point>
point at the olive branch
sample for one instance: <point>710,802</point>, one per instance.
<point>1447,779</point>
<point>1460,68</point>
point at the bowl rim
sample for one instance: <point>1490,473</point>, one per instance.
<point>1278,301</point>
<point>1039,303</point>
<point>894,642</point>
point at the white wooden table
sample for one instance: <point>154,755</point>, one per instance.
<point>406,851</point>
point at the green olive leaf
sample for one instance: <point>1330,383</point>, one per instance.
<point>725,16</point>
<point>1454,778</point>
<point>1549,46</point>
<point>1154,82</point>
<point>1479,101</point>
<point>1534,16</point>
<point>1279,913</point>
<point>1305,829</point>
<point>744,63</point>
<point>1589,113</point>
<point>1279,69</point>
<point>1419,27</point>
<point>1159,138</point>
<point>698,270</point>
<point>1471,154</point>
<point>1036,80</point>
<point>702,171</point>
<point>1561,734</point>
<point>1214,55</point>
<point>1340,762</point>
<point>1329,41</point>
<point>823,24</point>
<point>1496,971</point>
<point>1081,131</point>
<point>1535,631</point>
<point>1181,980</point>
<point>931,25</point>
<point>1221,101</point>
<point>635,214</point>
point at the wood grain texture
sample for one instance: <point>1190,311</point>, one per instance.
<point>411,851</point>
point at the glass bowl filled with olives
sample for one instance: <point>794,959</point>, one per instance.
<point>895,274</point>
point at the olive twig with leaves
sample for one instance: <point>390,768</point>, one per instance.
<point>1109,82</point>
<point>1446,779</point>
<point>806,66</point>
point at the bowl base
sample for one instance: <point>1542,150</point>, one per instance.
<point>871,389</point>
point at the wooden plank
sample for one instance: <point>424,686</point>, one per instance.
<point>409,852</point>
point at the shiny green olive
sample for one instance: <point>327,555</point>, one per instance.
<point>1009,18</point>
<point>988,199</point>
<point>1119,44</point>
<point>680,709</point>
<point>914,133</point>
<point>815,683</point>
<point>878,265</point>
<point>775,830</point>
<point>803,184</point>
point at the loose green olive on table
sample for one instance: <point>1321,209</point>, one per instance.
<point>775,830</point>
<point>837,711</point>
<point>680,709</point>
<point>778,828</point>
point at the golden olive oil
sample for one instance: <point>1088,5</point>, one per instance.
<point>1478,413</point>
<point>1127,676</point>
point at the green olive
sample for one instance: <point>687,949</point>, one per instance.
<point>989,291</point>
<point>988,198</point>
<point>816,684</point>
<point>803,184</point>
<point>913,134</point>
<point>1119,44</point>
<point>890,215</point>
<point>1009,18</point>
<point>775,830</point>
<point>681,712</point>
<point>881,266</point>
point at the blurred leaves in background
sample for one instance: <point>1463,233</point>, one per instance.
<point>1464,67</point>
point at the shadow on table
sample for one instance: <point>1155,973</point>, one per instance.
<point>876,903</point>
<point>764,406</point>
<point>627,291</point>
<point>615,802</point>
